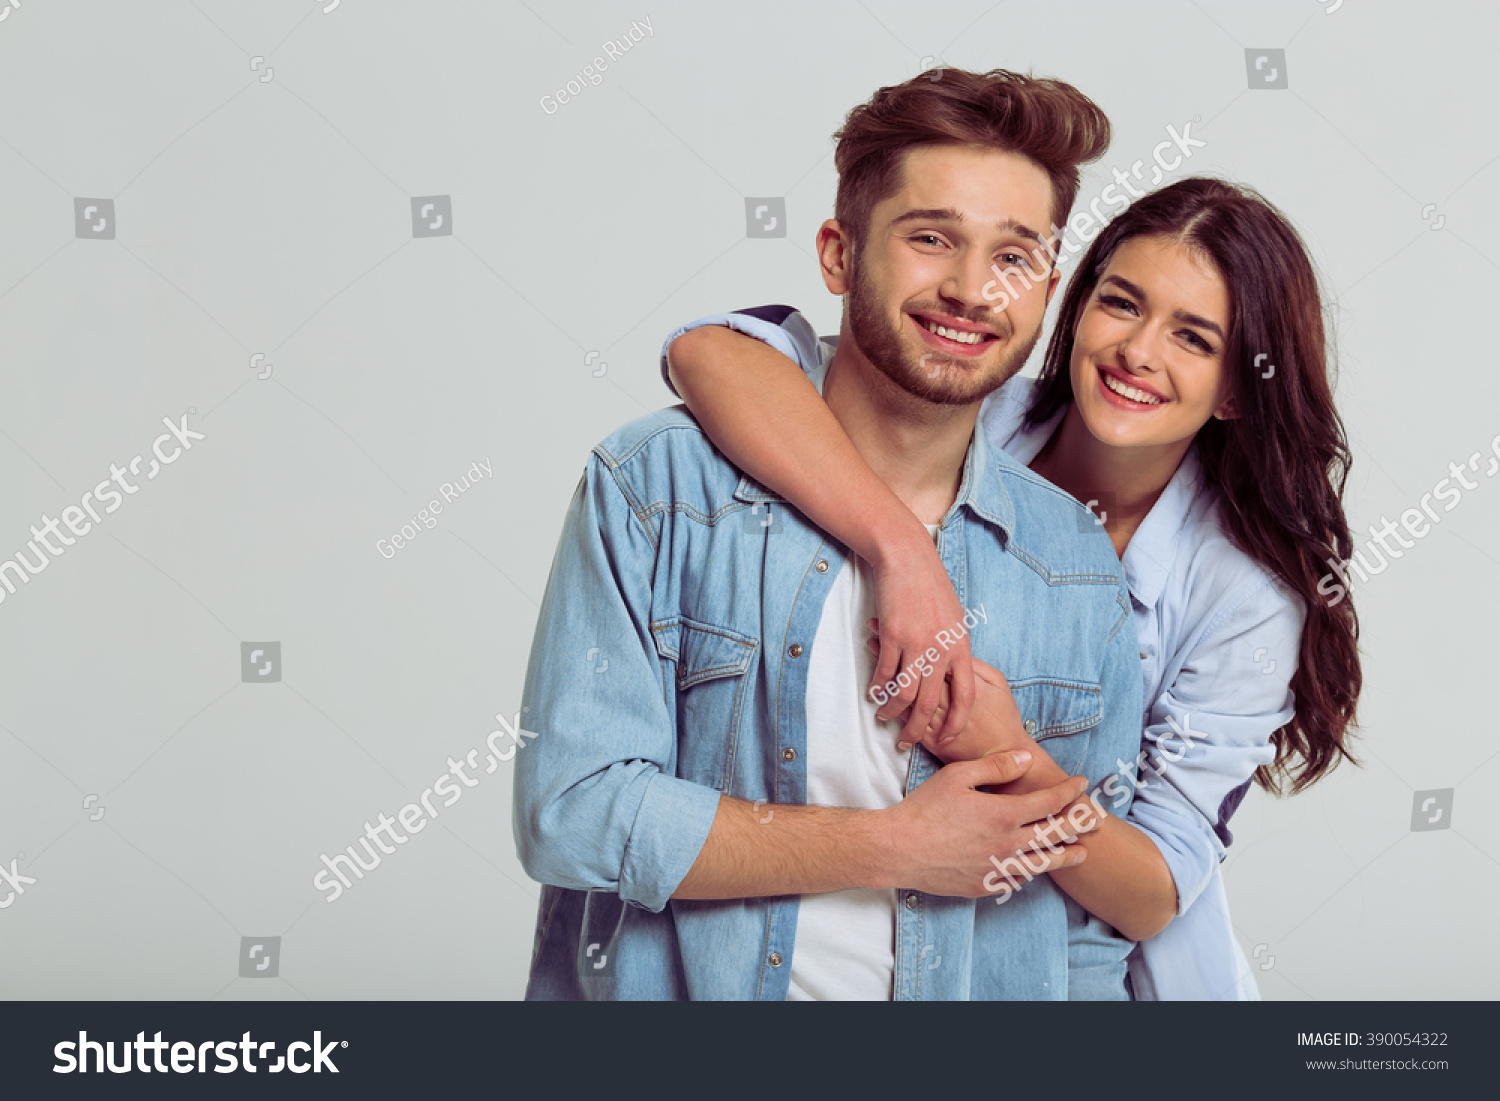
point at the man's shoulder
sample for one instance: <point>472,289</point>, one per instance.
<point>662,432</point>
<point>666,455</point>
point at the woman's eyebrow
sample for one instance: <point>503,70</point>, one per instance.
<point>1180,315</point>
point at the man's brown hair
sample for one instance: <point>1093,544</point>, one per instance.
<point>1052,123</point>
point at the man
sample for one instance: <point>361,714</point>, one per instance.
<point>695,679</point>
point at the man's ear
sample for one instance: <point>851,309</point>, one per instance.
<point>1052,281</point>
<point>835,256</point>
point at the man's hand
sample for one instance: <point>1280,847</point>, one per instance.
<point>994,724</point>
<point>944,834</point>
<point>916,601</point>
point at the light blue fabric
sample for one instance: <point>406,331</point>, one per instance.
<point>1219,641</point>
<point>670,664</point>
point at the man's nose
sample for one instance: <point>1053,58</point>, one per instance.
<point>965,282</point>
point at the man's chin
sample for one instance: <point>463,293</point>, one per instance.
<point>952,383</point>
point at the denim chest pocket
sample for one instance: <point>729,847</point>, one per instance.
<point>1062,714</point>
<point>711,677</point>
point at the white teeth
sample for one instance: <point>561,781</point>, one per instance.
<point>1130,391</point>
<point>954,334</point>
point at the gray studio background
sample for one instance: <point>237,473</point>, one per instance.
<point>252,169</point>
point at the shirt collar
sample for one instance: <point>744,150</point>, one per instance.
<point>981,488</point>
<point>1148,557</point>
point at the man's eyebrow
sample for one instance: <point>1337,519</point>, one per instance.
<point>1181,315</point>
<point>946,214</point>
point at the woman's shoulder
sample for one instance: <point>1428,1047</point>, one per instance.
<point>1217,576</point>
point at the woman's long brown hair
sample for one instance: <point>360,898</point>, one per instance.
<point>1282,463</point>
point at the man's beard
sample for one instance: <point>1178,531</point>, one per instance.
<point>881,344</point>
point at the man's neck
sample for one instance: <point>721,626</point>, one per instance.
<point>916,447</point>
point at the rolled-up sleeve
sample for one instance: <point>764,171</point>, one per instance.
<point>782,327</point>
<point>1210,729</point>
<point>597,805</point>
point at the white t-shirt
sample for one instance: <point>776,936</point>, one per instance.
<point>845,948</point>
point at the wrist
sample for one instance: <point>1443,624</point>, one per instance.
<point>880,858</point>
<point>902,541</point>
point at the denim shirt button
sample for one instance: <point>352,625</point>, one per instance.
<point>1030,725</point>
<point>795,649</point>
<point>788,754</point>
<point>822,566</point>
<point>775,959</point>
<point>911,902</point>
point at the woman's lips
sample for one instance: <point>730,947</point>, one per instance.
<point>1120,401</point>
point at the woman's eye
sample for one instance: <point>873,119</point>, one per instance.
<point>1115,302</point>
<point>1197,341</point>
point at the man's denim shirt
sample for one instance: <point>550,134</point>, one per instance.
<point>670,666</point>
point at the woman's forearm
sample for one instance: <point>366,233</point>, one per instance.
<point>1125,881</point>
<point>761,411</point>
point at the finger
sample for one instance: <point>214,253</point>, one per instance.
<point>1052,856</point>
<point>990,674</point>
<point>930,694</point>
<point>995,768</point>
<point>960,695</point>
<point>887,662</point>
<point>1037,805</point>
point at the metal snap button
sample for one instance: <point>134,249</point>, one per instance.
<point>788,754</point>
<point>822,566</point>
<point>1030,725</point>
<point>795,650</point>
<point>911,902</point>
<point>775,959</point>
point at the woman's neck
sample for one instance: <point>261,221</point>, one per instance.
<point>1123,482</point>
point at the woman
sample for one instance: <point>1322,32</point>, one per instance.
<point>1184,397</point>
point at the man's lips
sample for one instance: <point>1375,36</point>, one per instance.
<point>959,338</point>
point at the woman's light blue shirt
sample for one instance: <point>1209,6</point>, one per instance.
<point>1219,638</point>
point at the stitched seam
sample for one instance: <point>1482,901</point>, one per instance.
<point>1059,578</point>
<point>734,731</point>
<point>776,761</point>
<point>631,502</point>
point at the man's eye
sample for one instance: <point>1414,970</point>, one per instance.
<point>928,238</point>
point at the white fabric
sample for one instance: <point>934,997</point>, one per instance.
<point>845,948</point>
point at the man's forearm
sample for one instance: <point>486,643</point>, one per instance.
<point>757,849</point>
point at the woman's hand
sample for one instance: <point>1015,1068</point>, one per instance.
<point>994,724</point>
<point>916,602</point>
